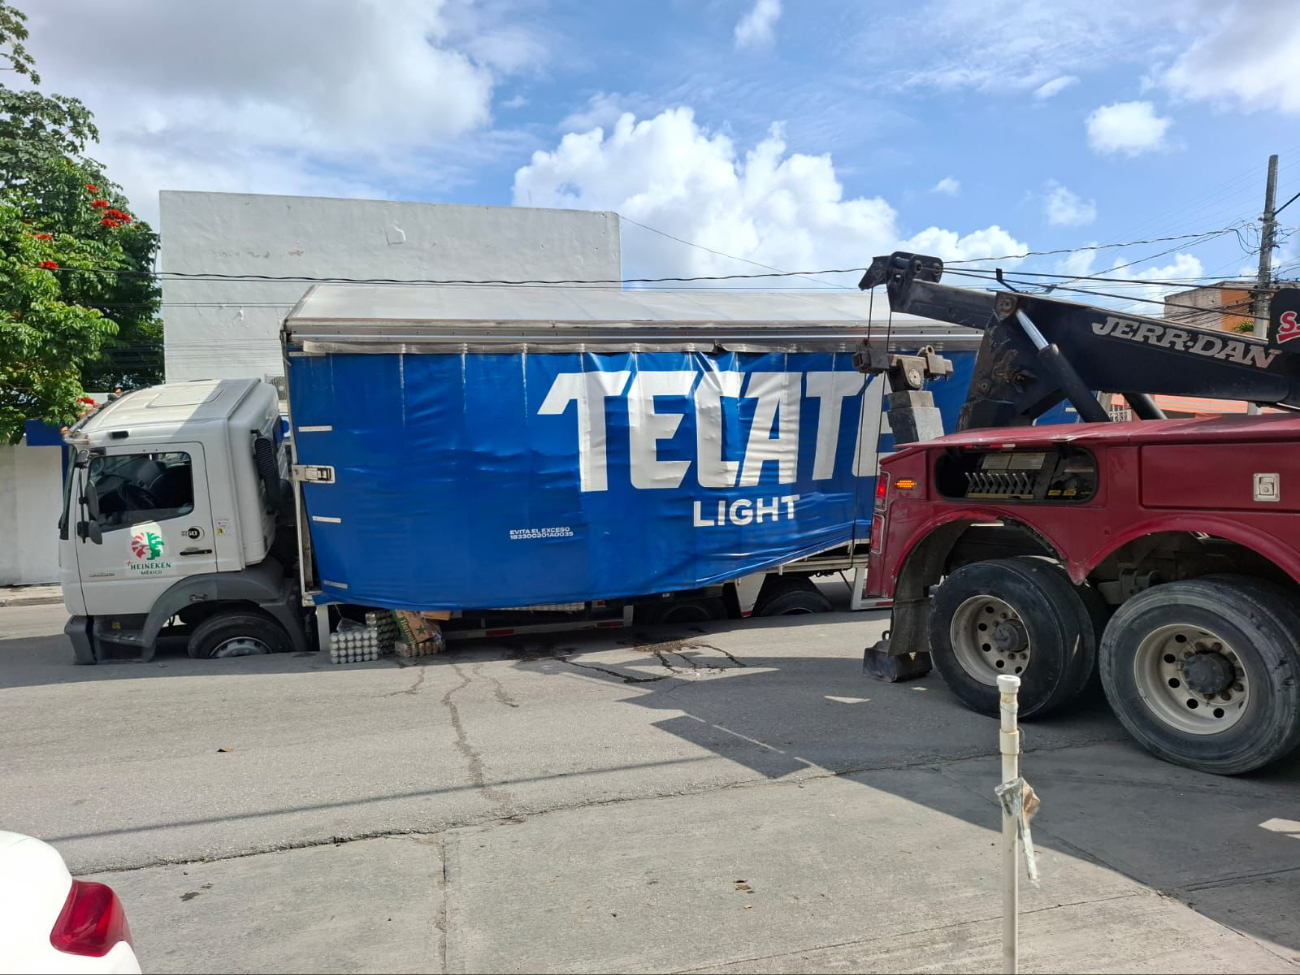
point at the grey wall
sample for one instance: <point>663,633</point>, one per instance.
<point>230,329</point>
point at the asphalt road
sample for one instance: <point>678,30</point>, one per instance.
<point>732,797</point>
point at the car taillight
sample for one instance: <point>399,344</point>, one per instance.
<point>882,489</point>
<point>92,921</point>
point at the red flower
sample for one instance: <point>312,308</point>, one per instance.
<point>100,203</point>
<point>111,223</point>
<point>86,399</point>
<point>92,187</point>
<point>49,265</point>
<point>43,236</point>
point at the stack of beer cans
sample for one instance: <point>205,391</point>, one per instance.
<point>356,643</point>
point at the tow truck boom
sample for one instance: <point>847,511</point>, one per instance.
<point>1038,350</point>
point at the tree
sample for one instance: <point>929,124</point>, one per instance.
<point>100,292</point>
<point>45,340</point>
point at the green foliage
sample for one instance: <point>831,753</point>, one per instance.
<point>101,304</point>
<point>1246,326</point>
<point>13,31</point>
<point>46,335</point>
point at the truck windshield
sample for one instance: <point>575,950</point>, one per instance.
<point>134,488</point>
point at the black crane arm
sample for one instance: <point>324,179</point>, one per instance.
<point>1039,350</point>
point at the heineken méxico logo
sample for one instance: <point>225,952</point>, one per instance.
<point>147,545</point>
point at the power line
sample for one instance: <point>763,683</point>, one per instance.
<point>1286,204</point>
<point>534,282</point>
<point>984,276</point>
<point>731,257</point>
<point>1092,247</point>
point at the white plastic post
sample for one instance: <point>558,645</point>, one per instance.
<point>1009,745</point>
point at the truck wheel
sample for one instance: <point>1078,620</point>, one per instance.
<point>1017,616</point>
<point>686,611</point>
<point>791,596</point>
<point>238,633</point>
<point>1206,672</point>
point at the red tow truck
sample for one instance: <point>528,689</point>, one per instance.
<point>1161,554</point>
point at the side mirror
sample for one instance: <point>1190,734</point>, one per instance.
<point>90,498</point>
<point>90,530</point>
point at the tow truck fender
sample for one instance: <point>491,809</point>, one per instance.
<point>970,516</point>
<point>1258,541</point>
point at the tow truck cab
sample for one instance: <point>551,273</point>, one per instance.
<point>171,516</point>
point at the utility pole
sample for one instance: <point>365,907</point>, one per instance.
<point>1259,304</point>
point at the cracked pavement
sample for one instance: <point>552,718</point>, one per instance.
<point>729,797</point>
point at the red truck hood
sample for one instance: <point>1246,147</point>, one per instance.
<point>1265,427</point>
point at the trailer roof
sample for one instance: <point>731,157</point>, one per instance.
<point>333,317</point>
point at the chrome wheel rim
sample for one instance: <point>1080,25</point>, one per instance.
<point>1191,679</point>
<point>240,646</point>
<point>989,639</point>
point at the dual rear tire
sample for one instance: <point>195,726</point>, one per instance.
<point>1206,672</point>
<point>1018,616</point>
<point>1203,672</point>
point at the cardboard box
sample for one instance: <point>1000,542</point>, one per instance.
<point>436,614</point>
<point>413,627</point>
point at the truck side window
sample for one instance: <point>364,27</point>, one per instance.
<point>135,488</point>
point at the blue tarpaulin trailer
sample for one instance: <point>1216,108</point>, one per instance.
<point>557,449</point>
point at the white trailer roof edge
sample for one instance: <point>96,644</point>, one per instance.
<point>395,319</point>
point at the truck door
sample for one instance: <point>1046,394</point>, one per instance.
<point>156,520</point>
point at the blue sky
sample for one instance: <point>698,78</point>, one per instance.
<point>802,133</point>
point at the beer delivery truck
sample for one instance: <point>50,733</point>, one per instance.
<point>521,458</point>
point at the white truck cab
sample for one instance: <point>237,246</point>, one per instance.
<point>170,516</point>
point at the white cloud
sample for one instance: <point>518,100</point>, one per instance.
<point>1131,292</point>
<point>1065,208</point>
<point>755,29</point>
<point>1049,89</point>
<point>1235,53</point>
<point>1028,45</point>
<point>602,109</point>
<point>1128,128</point>
<point>949,186</point>
<point>298,95</point>
<point>1183,266</point>
<point>783,209</point>
<point>1246,55</point>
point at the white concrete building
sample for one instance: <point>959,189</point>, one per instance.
<point>222,328</point>
<point>31,498</point>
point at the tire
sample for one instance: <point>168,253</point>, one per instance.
<point>238,633</point>
<point>1097,614</point>
<point>1036,626</point>
<point>791,596</point>
<point>1246,692</point>
<point>682,611</point>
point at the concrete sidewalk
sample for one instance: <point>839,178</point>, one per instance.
<point>31,595</point>
<point>883,871</point>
